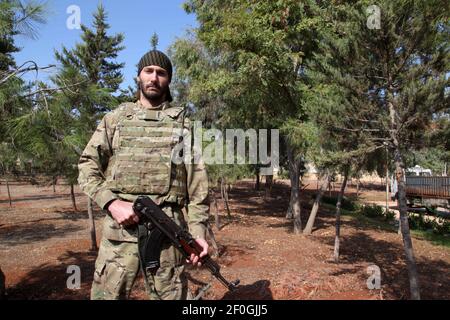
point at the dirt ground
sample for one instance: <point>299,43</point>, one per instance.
<point>41,236</point>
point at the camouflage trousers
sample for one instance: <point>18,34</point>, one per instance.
<point>117,266</point>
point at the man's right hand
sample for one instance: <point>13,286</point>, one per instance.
<point>123,213</point>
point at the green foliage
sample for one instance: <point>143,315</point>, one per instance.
<point>438,226</point>
<point>283,173</point>
<point>7,158</point>
<point>346,204</point>
<point>372,211</point>
<point>434,151</point>
<point>389,215</point>
<point>229,173</point>
<point>253,54</point>
<point>441,226</point>
<point>303,136</point>
<point>54,125</point>
<point>95,56</point>
<point>17,18</point>
<point>358,73</point>
<point>154,41</point>
<point>243,67</point>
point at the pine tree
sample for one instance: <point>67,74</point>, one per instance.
<point>154,41</point>
<point>16,18</point>
<point>255,55</point>
<point>393,81</point>
<point>92,67</point>
<point>94,58</point>
<point>7,33</point>
<point>63,120</point>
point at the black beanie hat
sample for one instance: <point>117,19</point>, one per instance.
<point>156,58</point>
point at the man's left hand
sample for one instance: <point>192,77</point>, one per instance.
<point>195,259</point>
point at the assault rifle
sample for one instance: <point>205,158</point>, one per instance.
<point>160,228</point>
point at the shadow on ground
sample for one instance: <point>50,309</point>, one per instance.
<point>40,197</point>
<point>42,229</point>
<point>49,281</point>
<point>361,248</point>
<point>260,290</point>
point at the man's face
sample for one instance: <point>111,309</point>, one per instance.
<point>153,82</point>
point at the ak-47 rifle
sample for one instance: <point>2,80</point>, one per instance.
<point>159,227</point>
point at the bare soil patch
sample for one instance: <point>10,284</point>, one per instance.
<point>41,236</point>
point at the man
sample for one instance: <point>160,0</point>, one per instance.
<point>131,154</point>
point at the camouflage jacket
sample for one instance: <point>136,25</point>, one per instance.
<point>94,176</point>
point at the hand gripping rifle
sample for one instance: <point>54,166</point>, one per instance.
<point>161,228</point>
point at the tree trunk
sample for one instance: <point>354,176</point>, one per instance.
<point>297,214</point>
<point>401,200</point>
<point>227,202</point>
<point>72,195</point>
<point>92,225</point>
<point>315,208</point>
<point>224,197</point>
<point>357,188</point>
<point>404,227</point>
<point>294,209</point>
<point>216,209</point>
<point>387,190</point>
<point>9,194</point>
<point>212,241</point>
<point>257,183</point>
<point>338,217</point>
<point>54,184</point>
<point>268,186</point>
<point>329,188</point>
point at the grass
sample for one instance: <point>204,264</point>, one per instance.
<point>365,221</point>
<point>436,239</point>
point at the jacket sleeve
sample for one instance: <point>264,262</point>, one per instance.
<point>198,197</point>
<point>94,161</point>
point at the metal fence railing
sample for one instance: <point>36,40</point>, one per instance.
<point>432,187</point>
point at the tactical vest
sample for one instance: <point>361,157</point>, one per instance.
<point>143,146</point>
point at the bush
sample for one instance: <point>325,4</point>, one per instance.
<point>372,211</point>
<point>416,222</point>
<point>283,174</point>
<point>346,204</point>
<point>441,226</point>
<point>438,226</point>
<point>376,211</point>
<point>389,216</point>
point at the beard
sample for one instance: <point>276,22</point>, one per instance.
<point>150,94</point>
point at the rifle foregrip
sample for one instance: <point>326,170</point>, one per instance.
<point>193,247</point>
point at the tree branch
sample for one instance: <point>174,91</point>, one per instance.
<point>66,86</point>
<point>21,69</point>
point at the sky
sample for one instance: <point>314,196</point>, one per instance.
<point>136,19</point>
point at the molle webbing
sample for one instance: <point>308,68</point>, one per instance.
<point>143,159</point>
